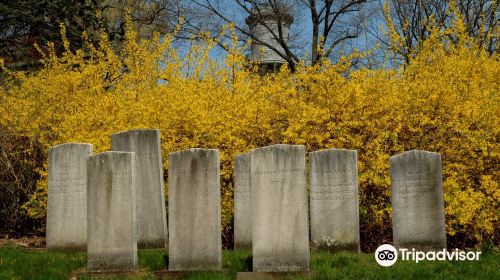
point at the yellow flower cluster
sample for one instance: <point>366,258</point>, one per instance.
<point>445,100</point>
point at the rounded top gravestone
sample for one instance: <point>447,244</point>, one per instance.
<point>417,201</point>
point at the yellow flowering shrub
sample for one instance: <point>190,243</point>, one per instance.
<point>445,100</point>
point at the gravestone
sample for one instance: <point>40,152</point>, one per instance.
<point>334,200</point>
<point>194,213</point>
<point>417,201</point>
<point>67,197</point>
<point>150,198</point>
<point>242,203</point>
<point>112,233</point>
<point>280,231</point>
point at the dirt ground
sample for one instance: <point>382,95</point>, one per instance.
<point>26,242</point>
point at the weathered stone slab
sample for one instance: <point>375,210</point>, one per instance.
<point>280,231</point>
<point>194,213</point>
<point>112,233</point>
<point>417,201</point>
<point>150,198</point>
<point>334,200</point>
<point>67,197</point>
<point>242,203</point>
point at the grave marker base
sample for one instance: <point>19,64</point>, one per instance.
<point>274,275</point>
<point>127,274</point>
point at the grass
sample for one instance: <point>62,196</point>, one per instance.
<point>21,263</point>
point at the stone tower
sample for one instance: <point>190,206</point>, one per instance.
<point>261,21</point>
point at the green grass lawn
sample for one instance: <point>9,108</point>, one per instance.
<point>20,263</point>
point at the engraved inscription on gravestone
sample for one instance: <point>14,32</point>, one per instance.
<point>112,233</point>
<point>417,200</point>
<point>334,200</point>
<point>151,216</point>
<point>280,231</point>
<point>194,213</point>
<point>242,202</point>
<point>67,197</point>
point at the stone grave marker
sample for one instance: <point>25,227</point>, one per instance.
<point>334,200</point>
<point>242,203</point>
<point>280,231</point>
<point>67,197</point>
<point>417,201</point>
<point>112,233</point>
<point>194,213</point>
<point>150,198</point>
